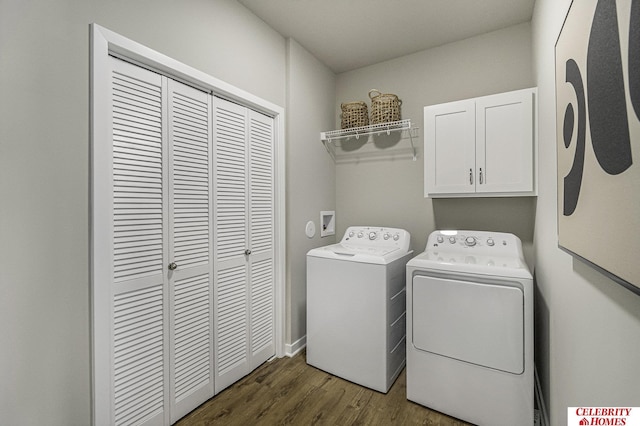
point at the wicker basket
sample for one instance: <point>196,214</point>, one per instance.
<point>354,114</point>
<point>385,107</point>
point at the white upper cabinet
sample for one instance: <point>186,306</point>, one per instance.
<point>481,147</point>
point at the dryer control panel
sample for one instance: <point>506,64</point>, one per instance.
<point>372,236</point>
<point>476,242</point>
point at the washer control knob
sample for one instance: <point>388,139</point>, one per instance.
<point>440,239</point>
<point>470,241</point>
<point>360,234</point>
<point>387,235</point>
<point>490,242</point>
<point>372,236</point>
<point>452,240</point>
<point>396,237</point>
<point>351,234</point>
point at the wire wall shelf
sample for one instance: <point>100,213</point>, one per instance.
<point>328,138</point>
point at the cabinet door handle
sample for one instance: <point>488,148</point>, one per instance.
<point>247,252</point>
<point>470,177</point>
<point>480,175</point>
<point>173,266</point>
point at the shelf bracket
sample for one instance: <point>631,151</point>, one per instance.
<point>413,148</point>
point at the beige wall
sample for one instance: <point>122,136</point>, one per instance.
<point>587,326</point>
<point>44,172</point>
<point>310,173</point>
<point>388,190</point>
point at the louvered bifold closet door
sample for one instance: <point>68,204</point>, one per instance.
<point>139,284</point>
<point>191,248</point>
<point>230,243</point>
<point>244,285</point>
<point>261,232</point>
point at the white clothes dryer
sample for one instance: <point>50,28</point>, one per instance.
<point>356,306</point>
<point>470,328</point>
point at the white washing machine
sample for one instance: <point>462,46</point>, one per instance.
<point>356,306</point>
<point>470,328</point>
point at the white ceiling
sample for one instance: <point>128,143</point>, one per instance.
<point>349,34</point>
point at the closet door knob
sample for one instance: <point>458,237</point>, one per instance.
<point>173,266</point>
<point>247,252</point>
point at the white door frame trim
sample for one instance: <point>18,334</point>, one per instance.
<point>104,43</point>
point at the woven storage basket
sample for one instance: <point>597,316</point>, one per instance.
<point>385,107</point>
<point>354,114</point>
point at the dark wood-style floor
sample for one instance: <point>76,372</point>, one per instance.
<point>287,391</point>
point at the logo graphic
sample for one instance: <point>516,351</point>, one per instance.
<point>603,416</point>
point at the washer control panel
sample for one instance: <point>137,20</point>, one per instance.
<point>371,236</point>
<point>478,242</point>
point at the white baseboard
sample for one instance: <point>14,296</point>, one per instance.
<point>544,419</point>
<point>292,349</point>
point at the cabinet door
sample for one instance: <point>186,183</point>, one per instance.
<point>504,138</point>
<point>449,152</point>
